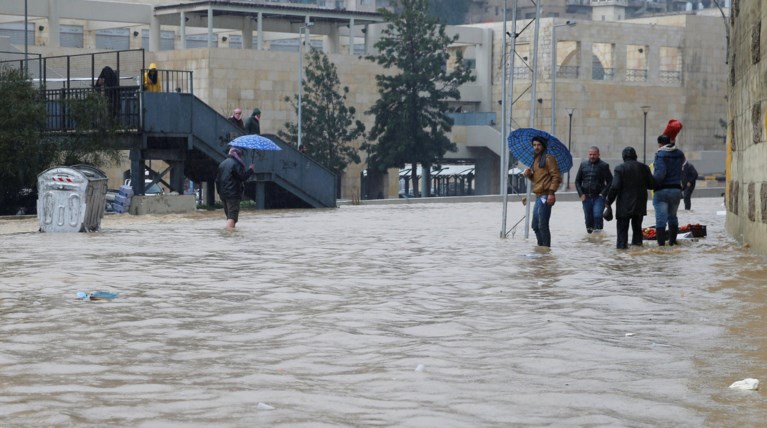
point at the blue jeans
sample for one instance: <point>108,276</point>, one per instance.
<point>592,211</point>
<point>541,216</point>
<point>666,203</point>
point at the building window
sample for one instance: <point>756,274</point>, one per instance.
<point>670,65</point>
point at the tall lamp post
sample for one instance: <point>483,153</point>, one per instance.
<point>568,23</point>
<point>645,109</point>
<point>26,40</point>
<point>304,29</point>
<point>570,111</point>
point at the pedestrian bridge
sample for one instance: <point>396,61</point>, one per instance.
<point>178,128</point>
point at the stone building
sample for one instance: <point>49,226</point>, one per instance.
<point>606,72</point>
<point>746,192</point>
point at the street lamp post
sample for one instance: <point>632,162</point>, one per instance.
<point>570,111</point>
<point>304,29</point>
<point>645,109</point>
<point>554,71</point>
<point>26,40</point>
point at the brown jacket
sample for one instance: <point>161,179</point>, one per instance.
<point>546,180</point>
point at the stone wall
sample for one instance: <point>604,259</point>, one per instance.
<point>229,78</point>
<point>608,112</point>
<point>746,192</point>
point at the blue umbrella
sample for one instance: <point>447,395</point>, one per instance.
<point>521,147</point>
<point>255,142</point>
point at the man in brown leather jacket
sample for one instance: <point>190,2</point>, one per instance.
<point>545,176</point>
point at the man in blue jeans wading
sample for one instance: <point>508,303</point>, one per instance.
<point>545,176</point>
<point>667,175</point>
<point>592,183</point>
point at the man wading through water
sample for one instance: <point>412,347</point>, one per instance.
<point>544,173</point>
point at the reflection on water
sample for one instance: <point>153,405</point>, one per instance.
<point>325,315</point>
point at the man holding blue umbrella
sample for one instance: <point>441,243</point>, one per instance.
<point>230,184</point>
<point>546,178</point>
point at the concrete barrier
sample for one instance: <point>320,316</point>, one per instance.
<point>162,204</point>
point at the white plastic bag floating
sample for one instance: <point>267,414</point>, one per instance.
<point>746,384</point>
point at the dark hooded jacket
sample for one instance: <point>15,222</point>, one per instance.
<point>230,178</point>
<point>631,181</point>
<point>253,124</point>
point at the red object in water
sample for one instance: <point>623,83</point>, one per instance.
<point>673,129</point>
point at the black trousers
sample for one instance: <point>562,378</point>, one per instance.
<point>622,225</point>
<point>687,194</point>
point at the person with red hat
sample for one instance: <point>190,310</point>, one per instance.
<point>667,175</point>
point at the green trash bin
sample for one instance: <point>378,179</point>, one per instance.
<point>71,199</point>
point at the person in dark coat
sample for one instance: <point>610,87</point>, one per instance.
<point>230,184</point>
<point>631,181</point>
<point>689,175</point>
<point>110,85</point>
<point>253,124</point>
<point>592,183</point>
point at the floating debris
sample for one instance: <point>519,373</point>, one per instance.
<point>749,384</point>
<point>96,295</point>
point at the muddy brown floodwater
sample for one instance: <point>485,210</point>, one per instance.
<point>399,315</point>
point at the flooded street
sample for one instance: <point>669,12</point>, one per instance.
<point>395,315</point>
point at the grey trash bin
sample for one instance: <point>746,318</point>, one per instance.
<point>71,199</point>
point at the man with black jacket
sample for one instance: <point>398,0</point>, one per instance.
<point>230,184</point>
<point>689,175</point>
<point>629,187</point>
<point>592,183</point>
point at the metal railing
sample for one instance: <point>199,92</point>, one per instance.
<point>599,73</point>
<point>636,75</point>
<point>568,71</point>
<point>179,81</point>
<point>668,76</point>
<point>82,70</point>
<point>122,104</point>
<point>33,63</point>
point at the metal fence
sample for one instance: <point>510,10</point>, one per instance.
<point>32,62</point>
<point>179,81</point>
<point>81,71</point>
<point>122,104</point>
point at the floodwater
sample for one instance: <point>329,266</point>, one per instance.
<point>398,315</point>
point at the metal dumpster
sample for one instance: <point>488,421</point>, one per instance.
<point>71,199</point>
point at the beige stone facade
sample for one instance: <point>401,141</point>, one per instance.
<point>746,194</point>
<point>607,71</point>
<point>229,78</point>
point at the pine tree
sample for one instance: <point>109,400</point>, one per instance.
<point>328,126</point>
<point>411,120</point>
